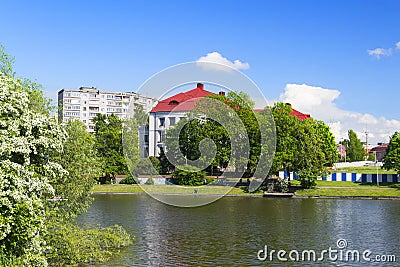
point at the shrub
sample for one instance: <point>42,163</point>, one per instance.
<point>70,244</point>
<point>128,180</point>
<point>189,175</point>
<point>209,180</point>
<point>307,178</point>
<point>147,166</point>
<point>149,181</point>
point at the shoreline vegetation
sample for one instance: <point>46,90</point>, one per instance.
<point>323,189</point>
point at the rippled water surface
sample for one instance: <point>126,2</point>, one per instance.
<point>230,231</point>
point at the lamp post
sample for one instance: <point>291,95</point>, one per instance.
<point>376,165</point>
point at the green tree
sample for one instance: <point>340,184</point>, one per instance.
<point>286,126</point>
<point>108,143</point>
<point>189,175</point>
<point>79,158</point>
<point>354,148</point>
<point>306,147</point>
<point>392,158</point>
<point>38,196</point>
<point>28,139</point>
<point>141,116</point>
<point>236,140</point>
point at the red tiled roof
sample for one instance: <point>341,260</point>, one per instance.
<point>296,113</point>
<point>186,101</point>
<point>379,149</point>
<point>182,101</point>
<point>299,115</point>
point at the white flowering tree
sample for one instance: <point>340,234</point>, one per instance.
<point>27,139</point>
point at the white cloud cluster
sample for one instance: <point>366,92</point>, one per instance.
<point>379,52</point>
<point>320,104</point>
<point>215,57</point>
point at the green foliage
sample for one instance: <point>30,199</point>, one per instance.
<point>283,185</point>
<point>150,181</point>
<point>108,143</point>
<point>371,157</point>
<point>209,180</point>
<point>128,180</point>
<point>6,63</point>
<point>27,138</point>
<point>236,138</point>
<point>79,159</point>
<point>392,158</point>
<point>166,166</point>
<point>354,148</point>
<point>141,116</point>
<point>145,166</point>
<point>71,244</point>
<point>301,145</point>
<point>156,163</point>
<point>189,175</point>
<point>307,178</point>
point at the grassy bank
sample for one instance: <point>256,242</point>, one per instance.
<point>168,189</point>
<point>323,189</point>
<point>350,189</point>
<point>365,169</point>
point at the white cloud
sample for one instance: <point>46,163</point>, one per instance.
<point>320,104</point>
<point>379,52</point>
<point>398,45</point>
<point>216,57</point>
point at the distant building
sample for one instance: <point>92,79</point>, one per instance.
<point>342,151</point>
<point>169,111</point>
<point>380,151</point>
<point>85,103</point>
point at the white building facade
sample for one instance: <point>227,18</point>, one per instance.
<point>167,113</point>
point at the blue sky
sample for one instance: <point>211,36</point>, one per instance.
<point>117,45</point>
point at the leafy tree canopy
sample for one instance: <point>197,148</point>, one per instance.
<point>392,158</point>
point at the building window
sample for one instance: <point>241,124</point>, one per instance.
<point>84,108</point>
<point>84,121</point>
<point>162,122</point>
<point>146,138</point>
<point>172,121</point>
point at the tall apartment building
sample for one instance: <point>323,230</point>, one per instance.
<point>85,103</point>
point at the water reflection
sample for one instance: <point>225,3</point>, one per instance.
<point>229,232</point>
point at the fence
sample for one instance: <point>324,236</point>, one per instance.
<point>352,177</point>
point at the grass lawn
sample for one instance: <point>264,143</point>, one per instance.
<point>168,189</point>
<point>350,189</point>
<point>323,188</point>
<point>366,170</point>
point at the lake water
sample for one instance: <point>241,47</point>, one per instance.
<point>231,231</point>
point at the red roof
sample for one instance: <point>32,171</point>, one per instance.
<point>296,113</point>
<point>379,149</point>
<point>299,115</point>
<point>182,101</point>
<point>186,101</point>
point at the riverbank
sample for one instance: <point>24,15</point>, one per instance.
<point>324,189</point>
<point>171,189</point>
